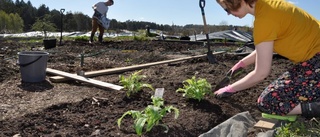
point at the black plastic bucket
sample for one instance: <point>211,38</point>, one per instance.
<point>49,43</point>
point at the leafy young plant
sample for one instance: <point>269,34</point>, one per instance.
<point>299,128</point>
<point>132,83</point>
<point>150,116</point>
<point>288,130</point>
<point>195,89</point>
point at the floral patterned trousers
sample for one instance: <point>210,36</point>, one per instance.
<point>299,84</point>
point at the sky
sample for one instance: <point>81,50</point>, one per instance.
<point>177,12</point>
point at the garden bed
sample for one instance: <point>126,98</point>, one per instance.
<point>75,108</point>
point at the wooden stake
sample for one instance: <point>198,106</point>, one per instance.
<point>266,124</point>
<point>84,79</point>
<point>129,68</point>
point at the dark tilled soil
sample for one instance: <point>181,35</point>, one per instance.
<point>74,108</point>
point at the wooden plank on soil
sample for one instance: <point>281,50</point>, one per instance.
<point>84,79</point>
<point>128,68</point>
<point>265,124</point>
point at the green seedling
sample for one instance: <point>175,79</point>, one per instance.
<point>132,83</point>
<point>299,128</point>
<point>127,60</point>
<point>195,89</point>
<point>81,38</point>
<point>150,116</point>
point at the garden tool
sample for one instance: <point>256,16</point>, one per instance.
<point>226,81</point>
<point>278,117</point>
<point>210,56</point>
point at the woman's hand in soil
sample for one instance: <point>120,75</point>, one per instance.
<point>224,92</point>
<point>240,64</point>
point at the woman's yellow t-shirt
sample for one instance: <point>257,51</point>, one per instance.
<point>296,34</point>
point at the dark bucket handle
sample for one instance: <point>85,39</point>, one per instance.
<point>27,64</point>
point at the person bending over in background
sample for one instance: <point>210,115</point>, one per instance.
<point>100,8</point>
<point>283,28</point>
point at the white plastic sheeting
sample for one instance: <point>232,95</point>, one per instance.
<point>233,35</point>
<point>68,34</point>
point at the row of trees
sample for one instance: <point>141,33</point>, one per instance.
<point>11,22</point>
<point>76,21</point>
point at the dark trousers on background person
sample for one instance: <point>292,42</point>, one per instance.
<point>95,26</point>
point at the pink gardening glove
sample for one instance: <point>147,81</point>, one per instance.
<point>240,64</point>
<point>224,92</point>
